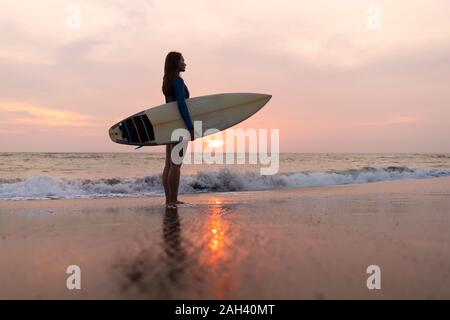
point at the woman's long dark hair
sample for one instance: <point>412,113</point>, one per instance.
<point>170,72</point>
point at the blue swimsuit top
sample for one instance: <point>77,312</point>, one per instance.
<point>181,93</point>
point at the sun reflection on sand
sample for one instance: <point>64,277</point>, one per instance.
<point>217,233</point>
<point>219,241</point>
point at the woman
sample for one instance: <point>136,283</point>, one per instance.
<point>174,89</point>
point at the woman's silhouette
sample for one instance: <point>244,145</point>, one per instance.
<point>174,89</point>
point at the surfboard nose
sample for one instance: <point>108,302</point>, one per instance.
<point>265,97</point>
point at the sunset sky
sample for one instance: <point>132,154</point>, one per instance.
<point>342,80</point>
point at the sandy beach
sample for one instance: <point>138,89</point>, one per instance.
<point>311,243</point>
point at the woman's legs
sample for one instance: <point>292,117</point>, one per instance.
<point>174,182</point>
<point>171,176</point>
<point>165,175</point>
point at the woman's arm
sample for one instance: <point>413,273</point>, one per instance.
<point>178,86</point>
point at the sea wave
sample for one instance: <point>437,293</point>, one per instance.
<point>47,187</point>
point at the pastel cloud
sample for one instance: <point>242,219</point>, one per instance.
<point>18,113</point>
<point>391,121</point>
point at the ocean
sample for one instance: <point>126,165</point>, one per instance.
<point>26,176</point>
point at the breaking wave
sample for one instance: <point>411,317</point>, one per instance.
<point>47,187</point>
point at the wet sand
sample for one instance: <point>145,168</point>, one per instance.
<point>313,243</point>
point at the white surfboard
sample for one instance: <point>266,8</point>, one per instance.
<point>218,111</point>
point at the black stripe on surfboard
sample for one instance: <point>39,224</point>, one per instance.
<point>134,138</point>
<point>148,126</point>
<point>141,129</point>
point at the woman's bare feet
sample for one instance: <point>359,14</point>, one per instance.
<point>171,205</point>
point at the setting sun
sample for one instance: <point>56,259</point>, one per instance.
<point>215,143</point>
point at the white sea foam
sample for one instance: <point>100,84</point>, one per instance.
<point>47,187</point>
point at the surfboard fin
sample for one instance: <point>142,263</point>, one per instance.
<point>138,147</point>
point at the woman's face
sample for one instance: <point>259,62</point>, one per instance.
<point>181,65</point>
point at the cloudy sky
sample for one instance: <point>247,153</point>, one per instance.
<point>346,76</point>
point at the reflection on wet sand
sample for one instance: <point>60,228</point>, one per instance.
<point>176,255</point>
<point>193,266</point>
<point>216,236</point>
